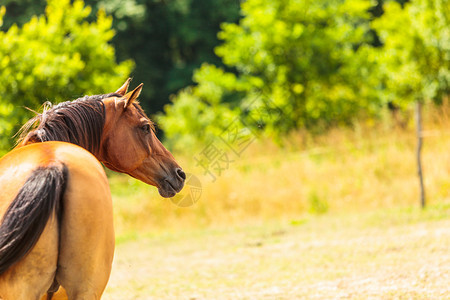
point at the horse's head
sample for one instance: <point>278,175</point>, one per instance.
<point>129,144</point>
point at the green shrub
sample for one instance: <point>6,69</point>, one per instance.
<point>57,56</point>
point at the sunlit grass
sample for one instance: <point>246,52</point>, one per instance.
<point>362,169</point>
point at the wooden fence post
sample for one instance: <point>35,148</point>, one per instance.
<point>419,150</point>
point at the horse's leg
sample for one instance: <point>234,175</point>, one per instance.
<point>31,277</point>
<point>87,233</point>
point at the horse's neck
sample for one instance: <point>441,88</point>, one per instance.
<point>28,139</point>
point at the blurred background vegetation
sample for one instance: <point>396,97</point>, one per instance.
<point>293,73</point>
<point>321,63</point>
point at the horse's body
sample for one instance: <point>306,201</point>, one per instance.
<point>55,203</point>
<point>78,249</point>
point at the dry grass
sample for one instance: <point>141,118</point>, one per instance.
<point>357,170</point>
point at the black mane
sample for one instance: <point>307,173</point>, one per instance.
<point>78,122</point>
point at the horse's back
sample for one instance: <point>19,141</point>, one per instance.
<point>17,166</point>
<point>81,241</point>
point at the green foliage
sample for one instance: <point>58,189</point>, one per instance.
<point>308,59</point>
<point>415,59</point>
<point>168,40</point>
<point>188,122</point>
<point>317,205</point>
<point>286,65</point>
<point>58,56</point>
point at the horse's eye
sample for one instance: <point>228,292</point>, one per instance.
<point>146,128</point>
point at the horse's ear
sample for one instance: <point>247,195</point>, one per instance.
<point>124,88</point>
<point>133,95</point>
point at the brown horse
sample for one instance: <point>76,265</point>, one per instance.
<point>55,202</point>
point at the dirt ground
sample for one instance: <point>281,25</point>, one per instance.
<point>387,256</point>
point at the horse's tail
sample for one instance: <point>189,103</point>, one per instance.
<point>28,214</point>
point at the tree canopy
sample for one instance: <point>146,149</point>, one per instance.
<point>415,58</point>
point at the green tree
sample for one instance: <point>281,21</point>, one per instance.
<point>307,58</point>
<point>414,61</point>
<point>57,56</point>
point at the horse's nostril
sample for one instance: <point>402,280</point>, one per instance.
<point>181,173</point>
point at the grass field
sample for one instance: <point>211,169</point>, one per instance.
<point>329,217</point>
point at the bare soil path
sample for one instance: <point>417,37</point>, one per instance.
<point>402,255</point>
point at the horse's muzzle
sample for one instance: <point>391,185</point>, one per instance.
<point>173,184</point>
